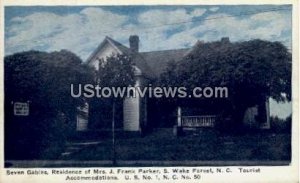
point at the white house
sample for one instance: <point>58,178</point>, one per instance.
<point>148,65</point>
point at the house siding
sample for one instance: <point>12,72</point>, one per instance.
<point>106,51</point>
<point>132,110</point>
<point>82,123</point>
<point>131,114</point>
<point>251,114</point>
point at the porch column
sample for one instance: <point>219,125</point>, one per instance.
<point>179,116</point>
<point>178,127</point>
<point>267,124</point>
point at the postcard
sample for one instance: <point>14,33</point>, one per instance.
<point>150,91</point>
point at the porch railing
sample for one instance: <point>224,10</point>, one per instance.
<point>198,121</point>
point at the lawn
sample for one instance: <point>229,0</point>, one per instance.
<point>162,145</point>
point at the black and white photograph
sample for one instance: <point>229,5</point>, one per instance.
<point>137,86</point>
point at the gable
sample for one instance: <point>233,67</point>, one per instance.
<point>104,50</point>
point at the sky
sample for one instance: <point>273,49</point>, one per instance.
<point>81,29</point>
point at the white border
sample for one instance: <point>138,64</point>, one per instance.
<point>269,174</point>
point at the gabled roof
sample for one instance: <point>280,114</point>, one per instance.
<point>158,60</point>
<point>118,46</point>
<point>152,64</point>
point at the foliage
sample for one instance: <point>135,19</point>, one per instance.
<point>44,80</point>
<point>114,71</point>
<point>281,125</point>
<point>252,71</point>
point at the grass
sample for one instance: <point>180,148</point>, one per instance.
<point>163,145</point>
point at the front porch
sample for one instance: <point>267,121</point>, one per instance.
<point>139,115</point>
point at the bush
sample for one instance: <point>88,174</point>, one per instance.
<point>44,80</point>
<point>281,125</point>
<point>35,138</point>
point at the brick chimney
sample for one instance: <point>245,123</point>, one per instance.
<point>134,43</point>
<point>225,40</point>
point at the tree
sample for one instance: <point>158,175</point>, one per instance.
<point>44,80</point>
<point>115,71</point>
<point>253,71</point>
